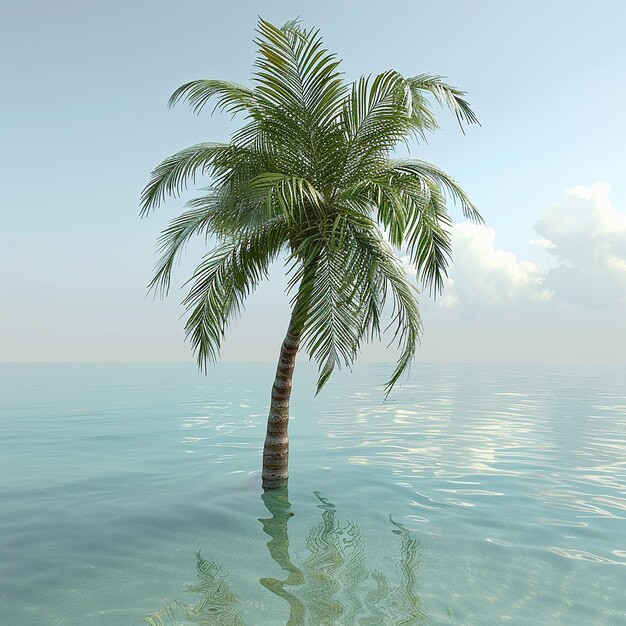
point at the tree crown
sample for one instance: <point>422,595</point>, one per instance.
<point>310,175</point>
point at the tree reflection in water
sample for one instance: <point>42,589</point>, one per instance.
<point>217,604</point>
<point>333,586</point>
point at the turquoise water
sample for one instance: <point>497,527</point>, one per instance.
<point>474,495</point>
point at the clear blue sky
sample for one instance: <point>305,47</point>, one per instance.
<point>84,88</point>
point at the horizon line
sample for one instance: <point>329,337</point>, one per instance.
<point>273,362</point>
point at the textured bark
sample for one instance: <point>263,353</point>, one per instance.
<point>276,449</point>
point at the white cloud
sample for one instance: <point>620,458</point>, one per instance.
<point>584,234</point>
<point>587,235</point>
<point>571,306</point>
<point>546,244</point>
<point>484,277</point>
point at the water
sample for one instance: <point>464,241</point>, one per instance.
<point>474,495</point>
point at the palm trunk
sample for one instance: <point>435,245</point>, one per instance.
<point>276,450</point>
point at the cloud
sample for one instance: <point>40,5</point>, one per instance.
<point>583,234</point>
<point>546,244</point>
<point>587,236</point>
<point>484,277</point>
<point>569,306</point>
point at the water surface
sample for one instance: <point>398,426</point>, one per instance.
<point>475,495</point>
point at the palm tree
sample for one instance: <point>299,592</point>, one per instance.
<point>309,175</point>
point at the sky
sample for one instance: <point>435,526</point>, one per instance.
<point>84,121</point>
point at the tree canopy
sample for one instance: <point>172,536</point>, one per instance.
<point>310,176</point>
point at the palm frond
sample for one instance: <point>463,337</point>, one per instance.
<point>299,91</point>
<point>238,206</point>
<point>389,201</point>
<point>414,213</point>
<point>421,170</point>
<point>170,178</point>
<point>405,316</point>
<point>428,239</point>
<point>373,121</point>
<point>409,197</point>
<point>293,194</point>
<point>173,239</point>
<point>444,93</point>
<point>230,97</point>
<point>297,73</point>
<point>293,26</point>
<point>228,274</point>
<point>330,333</point>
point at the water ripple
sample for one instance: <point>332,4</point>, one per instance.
<point>514,478</point>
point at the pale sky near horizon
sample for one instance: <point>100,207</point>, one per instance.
<point>84,120</point>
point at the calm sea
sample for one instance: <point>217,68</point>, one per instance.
<point>476,495</point>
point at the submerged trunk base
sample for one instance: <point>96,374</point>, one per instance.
<point>276,483</point>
